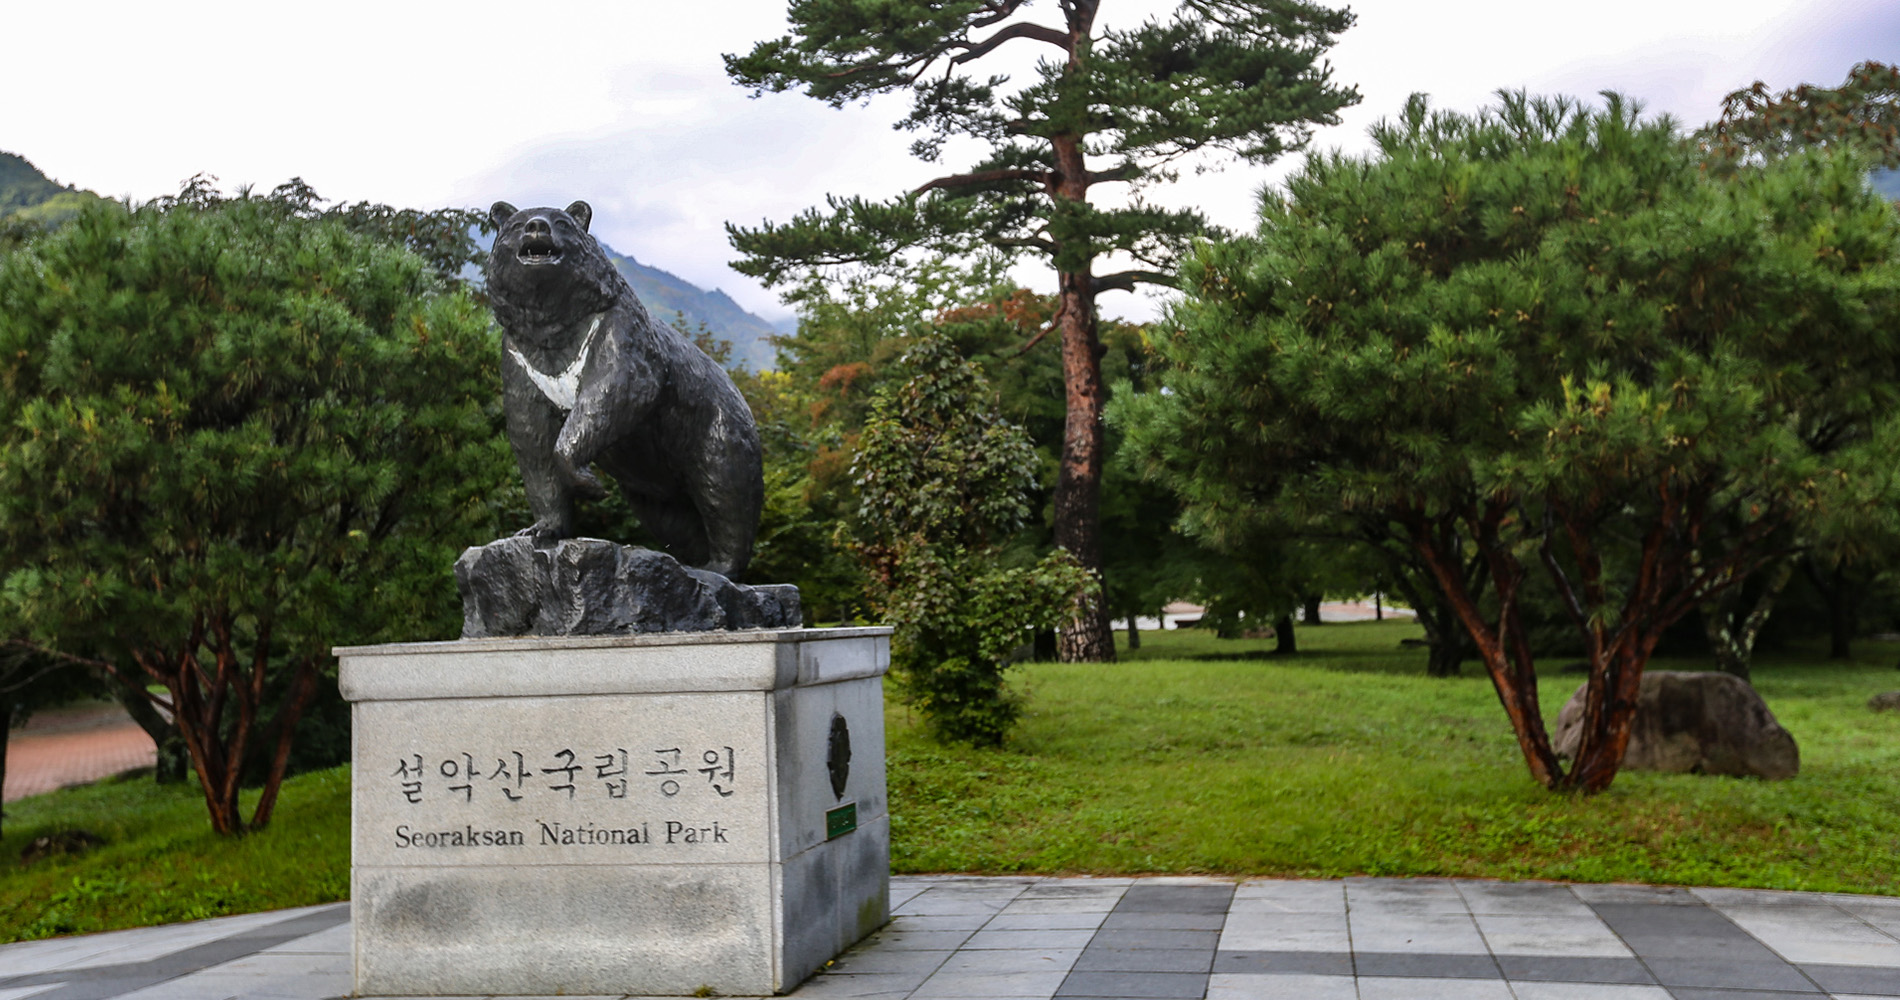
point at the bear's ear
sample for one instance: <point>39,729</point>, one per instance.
<point>582,213</point>
<point>499,213</point>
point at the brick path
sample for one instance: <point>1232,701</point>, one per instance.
<point>72,746</point>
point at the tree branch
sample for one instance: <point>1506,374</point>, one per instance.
<point>1059,39</point>
<point>1043,177</point>
<point>1125,281</point>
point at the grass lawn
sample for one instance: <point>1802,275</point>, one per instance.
<point>1347,760</point>
<point>1192,755</point>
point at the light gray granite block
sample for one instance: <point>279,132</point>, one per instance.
<point>629,815</point>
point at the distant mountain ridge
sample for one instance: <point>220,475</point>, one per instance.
<point>670,297</point>
<point>27,193</point>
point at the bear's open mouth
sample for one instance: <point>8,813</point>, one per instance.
<point>538,251</point>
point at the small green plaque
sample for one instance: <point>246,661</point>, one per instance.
<point>841,820</point>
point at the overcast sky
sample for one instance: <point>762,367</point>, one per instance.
<point>626,104</point>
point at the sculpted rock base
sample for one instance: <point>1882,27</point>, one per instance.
<point>1695,723</point>
<point>586,586</point>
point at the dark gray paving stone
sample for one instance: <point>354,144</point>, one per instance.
<point>1151,938</point>
<point>1855,979</point>
<point>106,981</point>
<point>1732,975</point>
<point>1313,963</point>
<point>1684,932</point>
<point>1693,993</point>
<point>1426,966</point>
<point>1120,920</point>
<point>1563,969</point>
<point>1176,899</point>
<point>1162,985</point>
<point>1094,959</point>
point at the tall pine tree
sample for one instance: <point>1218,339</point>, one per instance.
<point>1119,107</point>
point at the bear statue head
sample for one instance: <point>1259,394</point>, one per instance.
<point>545,271</point>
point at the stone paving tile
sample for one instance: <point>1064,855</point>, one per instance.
<point>1442,933</point>
<point>1131,985</point>
<point>1293,987</point>
<point>895,936</point>
<point>1549,968</point>
<point>1285,932</point>
<point>1176,899</point>
<point>861,961</point>
<point>1730,974</point>
<point>259,977</point>
<point>141,944</point>
<point>1810,933</point>
<point>1318,963</point>
<point>1100,904</point>
<point>1664,894</point>
<point>1427,966</point>
<point>939,921</point>
<point>335,941</point>
<point>1008,921</point>
<point>1145,940</point>
<point>991,986</point>
<point>1291,896</point>
<point>1405,896</point>
<point>1372,988</point>
<point>1126,920</point>
<point>1855,979</point>
<point>987,939</point>
<point>1025,960</point>
<point>1543,899</point>
<point>887,987</point>
<point>1098,959</point>
<point>1525,934</point>
<point>1587,991</point>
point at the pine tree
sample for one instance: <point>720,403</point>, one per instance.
<point>1111,107</point>
<point>1544,338</point>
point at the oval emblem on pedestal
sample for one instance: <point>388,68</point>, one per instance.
<point>838,755</point>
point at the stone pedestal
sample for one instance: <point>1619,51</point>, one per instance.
<point>618,815</point>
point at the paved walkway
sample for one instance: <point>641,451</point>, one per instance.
<point>72,746</point>
<point>1157,939</point>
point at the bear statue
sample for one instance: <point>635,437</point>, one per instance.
<point>589,378</point>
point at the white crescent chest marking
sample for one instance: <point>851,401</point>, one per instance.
<point>565,388</point>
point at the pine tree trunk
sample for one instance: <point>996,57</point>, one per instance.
<point>172,758</point>
<point>1309,609</point>
<point>6,735</point>
<point>1134,633</point>
<point>1840,617</point>
<point>1285,643</point>
<point>1444,656</point>
<point>1078,493</point>
<point>1732,633</point>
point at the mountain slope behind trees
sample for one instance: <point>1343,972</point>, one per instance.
<point>28,194</point>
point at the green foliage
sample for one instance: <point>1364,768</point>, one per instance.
<point>1862,115</point>
<point>1544,339</point>
<point>1242,76</point>
<point>1236,75</point>
<point>942,481</point>
<point>234,433</point>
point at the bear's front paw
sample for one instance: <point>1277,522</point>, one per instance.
<point>544,532</point>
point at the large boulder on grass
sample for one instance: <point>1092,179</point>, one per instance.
<point>1693,722</point>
